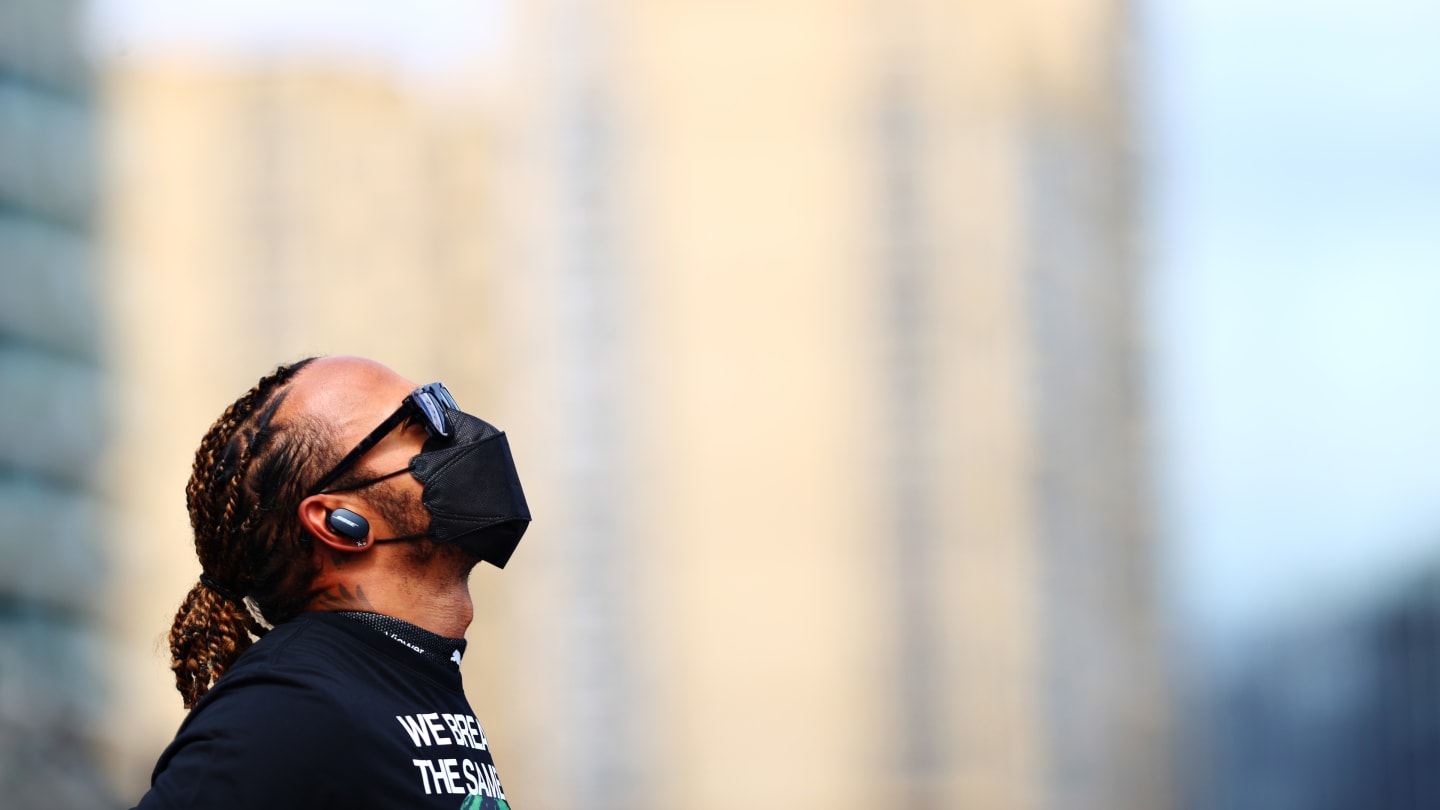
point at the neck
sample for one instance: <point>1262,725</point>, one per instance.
<point>430,594</point>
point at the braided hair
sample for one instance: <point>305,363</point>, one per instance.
<point>250,475</point>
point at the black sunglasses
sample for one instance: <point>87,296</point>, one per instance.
<point>430,401</point>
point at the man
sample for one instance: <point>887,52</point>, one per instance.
<point>338,510</point>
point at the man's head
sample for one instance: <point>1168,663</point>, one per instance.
<point>375,438</point>
<point>461,491</point>
<point>314,442</point>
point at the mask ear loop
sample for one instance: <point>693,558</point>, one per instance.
<point>380,432</point>
<point>404,539</point>
<point>367,482</point>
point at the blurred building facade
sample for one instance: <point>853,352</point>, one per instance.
<point>54,546</point>
<point>841,348</point>
<point>813,331</point>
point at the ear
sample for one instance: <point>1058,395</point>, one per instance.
<point>315,512</point>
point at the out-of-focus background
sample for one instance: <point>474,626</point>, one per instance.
<point>923,403</point>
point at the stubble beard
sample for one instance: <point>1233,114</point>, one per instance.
<point>403,508</point>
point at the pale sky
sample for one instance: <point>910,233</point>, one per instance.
<point>417,37</point>
<point>1293,175</point>
<point>1296,292</point>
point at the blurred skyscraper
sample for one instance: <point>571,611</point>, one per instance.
<point>1331,711</point>
<point>812,328</point>
<point>838,356</point>
<point>54,549</point>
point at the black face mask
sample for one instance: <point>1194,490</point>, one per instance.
<point>471,489</point>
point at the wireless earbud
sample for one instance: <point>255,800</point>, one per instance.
<point>348,524</point>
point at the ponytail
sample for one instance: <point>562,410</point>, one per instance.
<point>249,478</point>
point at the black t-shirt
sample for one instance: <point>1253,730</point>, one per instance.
<point>326,712</point>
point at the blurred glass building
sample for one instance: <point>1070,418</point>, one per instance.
<point>1333,711</point>
<point>55,548</point>
<point>814,332</point>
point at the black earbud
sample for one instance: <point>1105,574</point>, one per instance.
<point>348,524</point>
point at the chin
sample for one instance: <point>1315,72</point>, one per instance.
<point>430,555</point>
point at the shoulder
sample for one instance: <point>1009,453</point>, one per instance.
<point>320,696</point>
<point>304,671</point>
<point>269,723</point>
<point>299,646</point>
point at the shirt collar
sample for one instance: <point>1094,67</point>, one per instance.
<point>447,652</point>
